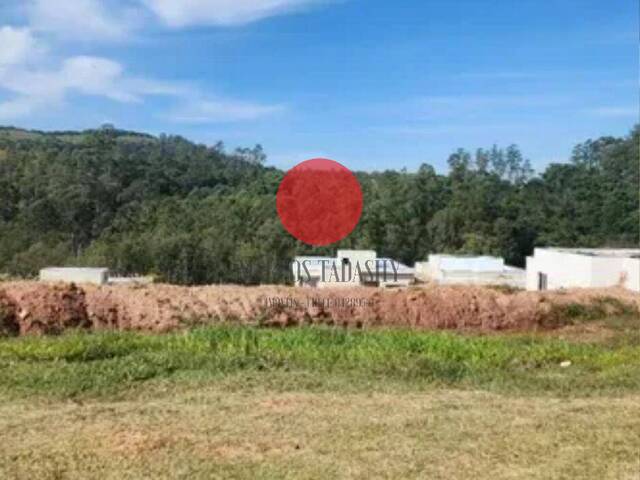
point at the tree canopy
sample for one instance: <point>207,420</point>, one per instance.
<point>196,214</point>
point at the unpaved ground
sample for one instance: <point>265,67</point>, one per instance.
<point>32,307</point>
<point>213,433</point>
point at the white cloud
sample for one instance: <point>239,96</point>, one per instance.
<point>115,20</point>
<point>33,82</point>
<point>182,13</point>
<point>81,19</point>
<point>200,110</point>
<point>36,89</point>
<point>20,107</point>
<point>95,76</point>
<point>18,46</point>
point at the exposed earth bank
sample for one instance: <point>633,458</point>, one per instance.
<point>39,308</point>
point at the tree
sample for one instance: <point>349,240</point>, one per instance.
<point>195,214</point>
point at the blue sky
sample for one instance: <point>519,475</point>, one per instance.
<point>372,84</point>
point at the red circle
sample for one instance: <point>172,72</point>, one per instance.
<point>319,201</point>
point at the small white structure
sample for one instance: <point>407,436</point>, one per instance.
<point>308,271</point>
<point>394,274</point>
<point>98,276</point>
<point>469,270</point>
<point>551,268</point>
<point>350,268</point>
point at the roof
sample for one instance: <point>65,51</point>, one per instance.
<point>599,252</point>
<point>400,267</point>
<point>467,263</point>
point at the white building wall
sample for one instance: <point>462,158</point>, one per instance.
<point>354,256</point>
<point>98,276</point>
<point>532,268</point>
<point>567,269</point>
<point>513,277</point>
<point>563,270</point>
<point>423,271</point>
<point>483,270</point>
<point>313,265</point>
<point>607,272</point>
<point>631,268</point>
<point>434,271</point>
<point>473,264</point>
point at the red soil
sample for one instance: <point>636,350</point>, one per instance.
<point>46,309</point>
<point>33,307</point>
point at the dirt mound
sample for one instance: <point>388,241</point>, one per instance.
<point>435,307</point>
<point>50,308</point>
<point>8,318</point>
<point>47,308</point>
<point>165,307</point>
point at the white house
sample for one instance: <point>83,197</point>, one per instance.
<point>551,268</point>
<point>469,270</point>
<point>350,268</point>
<point>97,276</point>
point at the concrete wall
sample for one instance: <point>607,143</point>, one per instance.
<point>513,277</point>
<point>314,266</point>
<point>98,276</point>
<point>607,272</point>
<point>354,256</point>
<point>450,270</point>
<point>467,263</point>
<point>423,272</point>
<point>631,268</point>
<point>567,269</point>
<point>563,270</point>
<point>531,267</point>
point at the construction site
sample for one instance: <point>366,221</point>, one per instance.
<point>319,239</point>
<point>31,307</point>
<point>445,293</point>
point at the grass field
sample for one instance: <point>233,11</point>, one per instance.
<point>232,402</point>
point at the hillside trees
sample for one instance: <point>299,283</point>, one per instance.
<point>195,214</point>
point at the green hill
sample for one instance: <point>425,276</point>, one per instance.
<point>197,214</point>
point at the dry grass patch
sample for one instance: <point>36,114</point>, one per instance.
<point>210,433</point>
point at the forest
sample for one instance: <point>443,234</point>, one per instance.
<point>195,214</point>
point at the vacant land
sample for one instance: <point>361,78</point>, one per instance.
<point>317,402</point>
<point>34,307</point>
<point>213,433</point>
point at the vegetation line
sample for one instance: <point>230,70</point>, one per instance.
<point>313,358</point>
<point>193,214</point>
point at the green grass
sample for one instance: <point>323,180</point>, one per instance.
<point>242,402</point>
<point>314,359</point>
<point>604,307</point>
